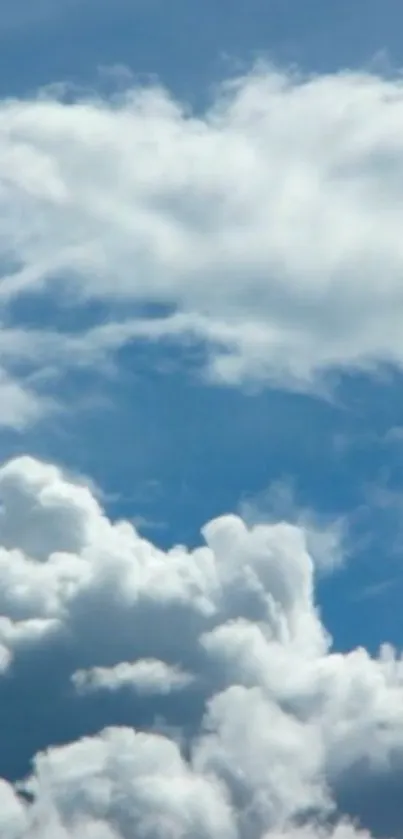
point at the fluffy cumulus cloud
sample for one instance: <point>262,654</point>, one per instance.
<point>285,737</point>
<point>267,227</point>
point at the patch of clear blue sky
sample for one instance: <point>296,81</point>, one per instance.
<point>188,44</point>
<point>164,447</point>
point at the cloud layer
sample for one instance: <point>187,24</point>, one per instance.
<point>267,227</point>
<point>286,736</point>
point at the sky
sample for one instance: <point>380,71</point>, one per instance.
<point>201,423</point>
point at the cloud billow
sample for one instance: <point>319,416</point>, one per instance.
<point>267,227</point>
<point>290,737</point>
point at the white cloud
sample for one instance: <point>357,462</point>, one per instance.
<point>20,405</point>
<point>327,541</point>
<point>146,676</point>
<point>133,783</point>
<point>270,224</point>
<point>287,723</point>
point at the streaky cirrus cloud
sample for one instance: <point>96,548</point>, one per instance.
<point>287,725</point>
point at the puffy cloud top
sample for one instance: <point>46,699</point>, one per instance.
<point>292,736</point>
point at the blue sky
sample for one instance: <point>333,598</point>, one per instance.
<point>200,296</point>
<point>190,48</point>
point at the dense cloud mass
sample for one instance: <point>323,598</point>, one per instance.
<point>266,228</point>
<point>276,734</point>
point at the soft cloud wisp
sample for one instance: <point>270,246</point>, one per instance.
<point>269,226</point>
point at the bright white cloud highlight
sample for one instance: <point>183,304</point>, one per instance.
<point>269,225</point>
<point>286,724</point>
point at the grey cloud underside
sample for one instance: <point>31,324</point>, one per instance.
<point>267,227</point>
<point>192,693</point>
